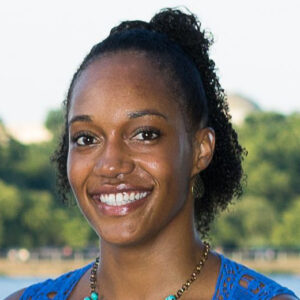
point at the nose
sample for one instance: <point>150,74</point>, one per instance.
<point>113,160</point>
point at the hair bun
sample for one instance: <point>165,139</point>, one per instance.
<point>182,28</point>
<point>170,20</point>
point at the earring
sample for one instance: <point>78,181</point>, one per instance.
<point>198,188</point>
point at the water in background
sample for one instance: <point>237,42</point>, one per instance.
<point>290,281</point>
<point>10,284</point>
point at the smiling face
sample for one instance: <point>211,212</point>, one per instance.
<point>130,159</point>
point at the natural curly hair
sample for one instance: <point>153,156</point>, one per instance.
<point>175,42</point>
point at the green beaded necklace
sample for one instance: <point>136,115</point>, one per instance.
<point>185,286</point>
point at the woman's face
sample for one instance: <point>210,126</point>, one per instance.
<point>130,160</point>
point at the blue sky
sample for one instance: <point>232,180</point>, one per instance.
<point>257,46</point>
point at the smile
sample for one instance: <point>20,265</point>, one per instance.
<point>119,199</point>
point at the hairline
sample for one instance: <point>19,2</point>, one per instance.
<point>161,65</point>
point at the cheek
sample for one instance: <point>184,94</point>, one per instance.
<point>77,169</point>
<point>170,165</point>
<point>162,168</point>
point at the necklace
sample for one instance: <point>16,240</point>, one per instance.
<point>94,294</point>
<point>177,295</point>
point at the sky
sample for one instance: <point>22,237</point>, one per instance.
<point>256,49</point>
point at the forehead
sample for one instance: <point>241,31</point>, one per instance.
<point>124,78</point>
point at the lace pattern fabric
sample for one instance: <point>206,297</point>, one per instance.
<point>56,289</point>
<point>235,282</point>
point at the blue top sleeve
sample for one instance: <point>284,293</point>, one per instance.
<point>59,288</point>
<point>237,282</point>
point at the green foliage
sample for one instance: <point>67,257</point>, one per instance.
<point>54,121</point>
<point>273,162</point>
<point>287,233</point>
<point>29,214</point>
<point>248,223</point>
<point>35,170</point>
<point>78,226</point>
<point>273,175</point>
<point>9,207</point>
<point>9,201</point>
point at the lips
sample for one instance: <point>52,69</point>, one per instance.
<point>120,199</point>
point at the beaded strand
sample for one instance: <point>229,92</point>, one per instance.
<point>93,278</point>
<point>185,286</point>
<point>193,276</point>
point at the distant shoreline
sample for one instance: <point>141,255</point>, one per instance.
<point>276,266</point>
<point>39,268</point>
<point>53,268</point>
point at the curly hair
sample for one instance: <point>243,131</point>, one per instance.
<point>175,42</point>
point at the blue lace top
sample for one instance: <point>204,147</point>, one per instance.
<point>235,282</point>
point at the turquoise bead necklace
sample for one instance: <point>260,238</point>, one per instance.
<point>185,286</point>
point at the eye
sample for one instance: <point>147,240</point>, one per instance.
<point>147,134</point>
<point>84,139</point>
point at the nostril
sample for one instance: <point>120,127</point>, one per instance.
<point>113,168</point>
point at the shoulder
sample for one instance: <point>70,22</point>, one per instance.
<point>61,287</point>
<point>15,296</point>
<point>237,281</point>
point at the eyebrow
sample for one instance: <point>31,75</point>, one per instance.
<point>132,115</point>
<point>146,112</point>
<point>80,118</point>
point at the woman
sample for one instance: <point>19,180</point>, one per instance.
<point>150,155</point>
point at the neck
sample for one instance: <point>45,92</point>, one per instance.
<point>133,272</point>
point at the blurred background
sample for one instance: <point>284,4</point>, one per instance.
<point>256,50</point>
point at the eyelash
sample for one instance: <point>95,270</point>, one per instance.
<point>148,130</point>
<point>82,134</point>
<point>144,130</point>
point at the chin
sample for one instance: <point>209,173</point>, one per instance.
<point>122,236</point>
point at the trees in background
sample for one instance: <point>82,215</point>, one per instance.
<point>268,213</point>
<point>32,215</point>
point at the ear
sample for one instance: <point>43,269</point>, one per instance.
<point>203,149</point>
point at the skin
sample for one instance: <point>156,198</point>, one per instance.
<point>110,91</point>
<point>155,243</point>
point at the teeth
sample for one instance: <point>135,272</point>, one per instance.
<point>112,199</point>
<point>121,198</point>
<point>126,197</point>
